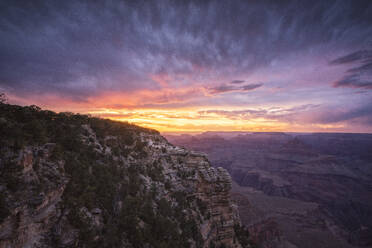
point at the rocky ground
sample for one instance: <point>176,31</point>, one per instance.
<point>76,181</point>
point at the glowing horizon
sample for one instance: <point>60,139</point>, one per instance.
<point>194,67</point>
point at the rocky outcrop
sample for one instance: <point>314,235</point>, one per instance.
<point>31,210</point>
<point>192,173</point>
<point>91,187</point>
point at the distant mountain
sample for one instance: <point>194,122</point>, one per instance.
<point>70,180</point>
<point>300,190</point>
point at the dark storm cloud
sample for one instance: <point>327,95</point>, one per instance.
<point>81,48</point>
<point>360,74</point>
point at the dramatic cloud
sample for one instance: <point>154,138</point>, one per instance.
<point>354,81</point>
<point>80,48</point>
<point>88,55</point>
<point>360,75</point>
<point>358,56</point>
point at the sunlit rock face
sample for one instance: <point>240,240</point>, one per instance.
<point>75,181</point>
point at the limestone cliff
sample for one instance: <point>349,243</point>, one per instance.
<point>76,181</point>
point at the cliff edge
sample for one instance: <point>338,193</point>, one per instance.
<point>76,181</point>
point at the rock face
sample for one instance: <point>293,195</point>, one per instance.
<point>315,189</point>
<point>89,182</point>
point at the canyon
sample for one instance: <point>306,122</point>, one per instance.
<point>296,189</point>
<point>70,180</point>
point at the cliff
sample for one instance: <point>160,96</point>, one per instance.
<point>76,181</point>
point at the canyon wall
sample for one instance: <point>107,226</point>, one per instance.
<point>88,182</point>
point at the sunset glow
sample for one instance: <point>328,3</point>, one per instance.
<point>272,67</point>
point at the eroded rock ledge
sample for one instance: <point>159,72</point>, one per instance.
<point>53,196</point>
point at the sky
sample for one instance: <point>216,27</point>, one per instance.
<point>193,66</point>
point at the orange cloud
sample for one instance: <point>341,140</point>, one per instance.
<point>145,97</point>
<point>146,108</point>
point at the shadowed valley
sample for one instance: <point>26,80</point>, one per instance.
<point>294,189</point>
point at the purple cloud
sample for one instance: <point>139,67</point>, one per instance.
<point>226,88</point>
<point>276,113</point>
<point>360,75</point>
<point>78,49</point>
<point>237,81</point>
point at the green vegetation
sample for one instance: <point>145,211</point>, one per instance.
<point>4,211</point>
<point>242,234</point>
<point>129,212</point>
<point>10,175</point>
<point>99,185</point>
<point>22,126</point>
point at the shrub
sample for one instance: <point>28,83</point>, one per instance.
<point>4,211</point>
